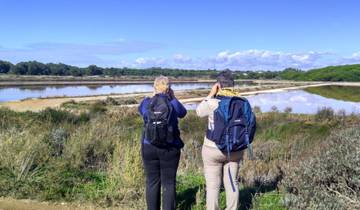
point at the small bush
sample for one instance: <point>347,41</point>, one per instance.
<point>56,140</point>
<point>97,107</point>
<point>274,109</point>
<point>111,101</point>
<point>257,110</point>
<point>324,113</point>
<point>128,101</point>
<point>288,110</point>
<point>59,116</point>
<point>131,101</point>
<point>331,178</point>
<point>255,173</point>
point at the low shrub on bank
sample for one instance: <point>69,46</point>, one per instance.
<point>331,178</point>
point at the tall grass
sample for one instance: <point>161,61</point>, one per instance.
<point>95,156</point>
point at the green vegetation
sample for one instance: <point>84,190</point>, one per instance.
<point>94,157</point>
<point>345,93</point>
<point>328,180</point>
<point>37,68</point>
<point>331,73</point>
<point>60,69</point>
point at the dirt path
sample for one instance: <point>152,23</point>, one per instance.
<point>40,104</point>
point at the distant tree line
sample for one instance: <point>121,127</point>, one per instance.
<point>60,69</point>
<point>331,73</point>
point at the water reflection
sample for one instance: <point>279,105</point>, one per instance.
<point>18,93</point>
<point>299,100</point>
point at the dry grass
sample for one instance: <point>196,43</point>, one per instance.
<point>95,157</point>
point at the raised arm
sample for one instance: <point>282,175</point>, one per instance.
<point>142,107</point>
<point>206,106</point>
<point>179,108</point>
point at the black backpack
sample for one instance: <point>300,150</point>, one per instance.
<point>158,130</point>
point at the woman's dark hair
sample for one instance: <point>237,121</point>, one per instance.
<point>226,79</point>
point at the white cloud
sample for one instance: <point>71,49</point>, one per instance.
<point>113,53</point>
<point>245,60</point>
<point>353,59</point>
<point>356,55</point>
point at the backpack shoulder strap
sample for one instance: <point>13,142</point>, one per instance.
<point>224,106</point>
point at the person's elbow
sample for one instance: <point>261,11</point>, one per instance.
<point>200,113</point>
<point>182,113</point>
<point>142,107</point>
<point>201,110</point>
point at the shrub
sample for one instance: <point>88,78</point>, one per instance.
<point>130,101</point>
<point>266,150</point>
<point>274,109</point>
<point>56,116</point>
<point>331,178</point>
<point>126,101</point>
<point>324,113</point>
<point>255,173</point>
<point>288,110</point>
<point>257,110</point>
<point>111,101</point>
<point>97,107</point>
<point>56,140</point>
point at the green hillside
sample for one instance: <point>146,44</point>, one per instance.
<point>330,73</point>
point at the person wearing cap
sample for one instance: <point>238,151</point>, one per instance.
<point>215,161</point>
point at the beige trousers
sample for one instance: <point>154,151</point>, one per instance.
<point>216,166</point>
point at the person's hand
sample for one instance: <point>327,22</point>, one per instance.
<point>215,88</point>
<point>171,94</point>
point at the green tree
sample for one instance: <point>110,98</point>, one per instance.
<point>5,66</point>
<point>94,70</point>
<point>20,68</point>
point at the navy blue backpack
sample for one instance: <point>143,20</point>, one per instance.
<point>234,127</point>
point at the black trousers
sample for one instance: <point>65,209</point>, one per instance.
<point>160,169</point>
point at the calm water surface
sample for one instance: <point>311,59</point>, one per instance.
<point>23,92</point>
<point>18,93</point>
<point>300,101</point>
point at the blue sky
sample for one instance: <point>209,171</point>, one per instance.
<point>235,34</point>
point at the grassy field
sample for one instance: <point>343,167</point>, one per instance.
<point>91,155</point>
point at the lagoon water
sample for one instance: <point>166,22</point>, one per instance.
<point>300,101</point>
<point>19,93</point>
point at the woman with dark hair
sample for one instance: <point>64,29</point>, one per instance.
<point>217,164</point>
